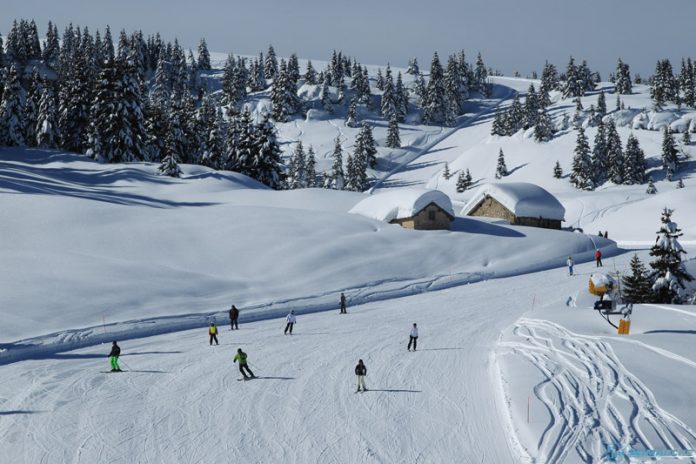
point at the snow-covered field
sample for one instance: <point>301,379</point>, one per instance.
<point>90,253</point>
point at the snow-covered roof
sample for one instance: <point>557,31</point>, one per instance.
<point>523,199</point>
<point>401,203</point>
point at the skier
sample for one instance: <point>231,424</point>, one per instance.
<point>234,315</point>
<point>113,357</point>
<point>243,366</point>
<point>413,338</point>
<point>291,322</point>
<point>570,263</point>
<point>343,304</point>
<point>598,258</point>
<point>212,331</point>
<point>361,372</point>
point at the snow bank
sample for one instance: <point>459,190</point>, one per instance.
<point>401,203</point>
<point>523,199</point>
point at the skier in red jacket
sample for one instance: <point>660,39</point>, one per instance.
<point>598,258</point>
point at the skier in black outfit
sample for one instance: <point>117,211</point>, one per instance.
<point>113,357</point>
<point>361,372</point>
<point>234,315</point>
<point>343,304</point>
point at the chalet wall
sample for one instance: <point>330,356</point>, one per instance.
<point>432,217</point>
<point>490,207</point>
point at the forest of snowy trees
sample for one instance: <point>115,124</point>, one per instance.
<point>137,98</point>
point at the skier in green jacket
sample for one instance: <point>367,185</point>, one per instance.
<point>242,358</point>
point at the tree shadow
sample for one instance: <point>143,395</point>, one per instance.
<point>474,226</point>
<point>441,349</point>
<point>678,332</point>
<point>264,377</point>
<point>387,390</point>
<point>20,411</point>
<point>516,168</point>
<point>96,355</point>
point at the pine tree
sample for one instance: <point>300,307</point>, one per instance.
<point>420,90</point>
<point>514,117</point>
<point>47,121</point>
<point>31,108</point>
<point>501,171</point>
<point>557,170</point>
<point>170,167</point>
<point>686,137</point>
<point>435,97</point>
<point>531,108</point>
<point>413,67</point>
<point>601,104</point>
<point>670,161</point>
<point>214,152</point>
<point>600,159</point>
<point>270,67</point>
<point>203,56</point>
<point>623,83</point>
<point>680,184</point>
<point>663,87</point>
<point>401,97</point>
<point>463,181</point>
<point>51,50</point>
<point>297,168</point>
<point>356,178</point>
<point>393,139</point>
<point>12,126</point>
<point>310,168</point>
<point>446,174</point>
<point>687,83</point>
<point>668,272</point>
<point>293,69</point>
<point>352,114</point>
<point>480,78</point>
<point>379,82</point>
<point>549,82</point>
<point>543,131</point>
<point>310,75</point>
<point>635,164</point>
<point>651,190</point>
<point>336,180</point>
<point>615,155</point>
<point>267,165</point>
<point>365,147</point>
<point>499,120</point>
<point>573,86</point>
<point>581,173</point>
<point>283,95</point>
<point>388,107</point>
<point>636,287</point>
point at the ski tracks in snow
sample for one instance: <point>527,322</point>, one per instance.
<point>592,399</point>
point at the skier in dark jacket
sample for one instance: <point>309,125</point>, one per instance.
<point>234,315</point>
<point>242,358</point>
<point>361,372</point>
<point>212,331</point>
<point>343,304</point>
<point>113,357</point>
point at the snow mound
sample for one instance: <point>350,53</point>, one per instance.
<point>401,203</point>
<point>521,198</point>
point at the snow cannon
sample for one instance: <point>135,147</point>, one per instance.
<point>602,284</point>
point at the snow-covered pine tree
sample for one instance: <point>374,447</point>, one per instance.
<point>213,150</point>
<point>161,90</point>
<point>413,67</point>
<point>581,173</point>
<point>47,120</point>
<point>365,147</point>
<point>499,120</point>
<point>297,168</point>
<point>686,138</point>
<point>543,131</point>
<point>203,56</point>
<point>680,184</point>
<point>663,87</point>
<point>401,97</point>
<point>420,89</point>
<point>634,164</point>
<point>601,104</point>
<point>622,82</point>
<point>668,273</point>
<point>388,105</point>
<point>615,154</point>
<point>379,81</point>
<point>573,85</point>
<point>501,170</point>
<point>549,82</point>
<point>310,168</point>
<point>531,108</point>
<point>325,97</point>
<point>293,69</point>
<point>480,78</point>
<point>463,181</point>
<point>352,114</point>
<point>600,159</point>
<point>393,139</point>
<point>156,125</point>
<point>175,140</point>
<point>283,95</point>
<point>51,51</point>
<point>356,177</point>
<point>267,164</point>
<point>670,160</point>
<point>169,167</point>
<point>310,74</point>
<point>336,180</point>
<point>651,190</point>
<point>514,117</point>
<point>12,125</point>
<point>636,286</point>
<point>31,107</point>
<point>557,170</point>
<point>446,174</point>
<point>687,83</point>
<point>434,111</point>
<point>270,67</point>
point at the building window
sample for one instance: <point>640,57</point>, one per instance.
<point>431,215</point>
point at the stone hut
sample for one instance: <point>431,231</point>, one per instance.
<point>412,208</point>
<point>519,203</point>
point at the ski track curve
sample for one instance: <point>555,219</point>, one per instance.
<point>592,399</point>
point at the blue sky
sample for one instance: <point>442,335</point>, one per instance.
<point>511,34</point>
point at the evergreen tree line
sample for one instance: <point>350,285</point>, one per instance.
<point>531,114</point>
<point>666,87</point>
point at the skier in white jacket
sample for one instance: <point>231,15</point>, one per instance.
<point>570,263</point>
<point>413,338</point>
<point>291,322</point>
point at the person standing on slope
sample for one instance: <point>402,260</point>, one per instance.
<point>570,263</point>
<point>291,319</point>
<point>361,372</point>
<point>343,304</point>
<point>598,258</point>
<point>234,315</point>
<point>413,338</point>
<point>212,331</point>
<point>243,366</point>
<point>113,357</point>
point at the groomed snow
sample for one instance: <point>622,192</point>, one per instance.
<point>522,198</point>
<point>401,203</point>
